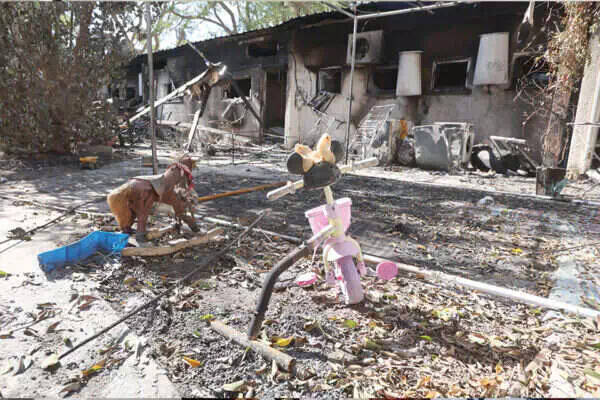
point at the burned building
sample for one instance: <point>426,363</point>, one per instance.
<point>459,63</point>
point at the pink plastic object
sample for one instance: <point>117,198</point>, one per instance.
<point>318,220</point>
<point>387,270</point>
<point>306,279</point>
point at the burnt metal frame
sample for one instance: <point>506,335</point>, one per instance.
<point>355,17</point>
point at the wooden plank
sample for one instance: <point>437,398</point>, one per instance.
<point>179,124</point>
<point>171,95</point>
<point>193,130</point>
<point>240,191</point>
<point>164,250</point>
<point>284,361</point>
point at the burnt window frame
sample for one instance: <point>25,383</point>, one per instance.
<point>230,93</point>
<point>271,48</point>
<point>465,89</point>
<point>338,70</point>
<point>373,89</point>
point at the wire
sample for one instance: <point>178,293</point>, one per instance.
<point>203,263</point>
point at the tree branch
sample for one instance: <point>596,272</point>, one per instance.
<point>231,14</point>
<point>192,17</point>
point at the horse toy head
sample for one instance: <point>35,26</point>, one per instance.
<point>185,164</point>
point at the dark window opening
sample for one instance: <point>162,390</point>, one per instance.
<point>265,49</point>
<point>385,79</point>
<point>532,70</point>
<point>275,76</point>
<point>450,74</point>
<point>243,84</point>
<point>330,80</point>
<point>129,93</point>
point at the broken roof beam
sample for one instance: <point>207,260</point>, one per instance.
<point>187,125</point>
<point>176,92</point>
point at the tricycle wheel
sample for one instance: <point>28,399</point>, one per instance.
<point>350,283</point>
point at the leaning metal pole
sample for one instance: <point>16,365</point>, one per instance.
<point>151,85</point>
<point>351,85</point>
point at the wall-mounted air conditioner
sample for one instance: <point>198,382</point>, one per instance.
<point>369,47</point>
<point>492,59</point>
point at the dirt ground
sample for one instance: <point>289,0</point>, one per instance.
<point>409,338</point>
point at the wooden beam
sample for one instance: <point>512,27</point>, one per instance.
<point>179,124</point>
<point>193,130</point>
<point>171,95</point>
<point>240,191</point>
<point>176,246</point>
<point>283,360</point>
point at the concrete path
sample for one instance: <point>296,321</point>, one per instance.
<point>28,286</point>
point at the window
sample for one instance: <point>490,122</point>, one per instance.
<point>129,93</point>
<point>243,84</point>
<point>385,79</point>
<point>450,75</point>
<point>330,80</point>
<point>264,49</point>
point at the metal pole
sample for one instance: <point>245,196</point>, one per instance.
<point>151,79</point>
<point>409,10</point>
<point>351,85</point>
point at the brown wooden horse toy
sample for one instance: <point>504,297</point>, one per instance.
<point>135,198</point>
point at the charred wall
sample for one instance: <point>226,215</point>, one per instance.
<point>450,34</point>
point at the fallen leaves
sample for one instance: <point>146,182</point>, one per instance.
<point>350,324</point>
<point>50,361</point>
<point>193,363</point>
<point>282,342</point>
<point>71,387</point>
<point>52,327</point>
<point>94,368</point>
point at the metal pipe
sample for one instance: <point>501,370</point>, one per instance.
<point>336,8</point>
<point>408,11</point>
<point>351,85</point>
<point>593,118</point>
<point>151,79</point>
<point>269,284</point>
<point>201,264</point>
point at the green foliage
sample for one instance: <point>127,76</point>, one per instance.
<point>231,17</point>
<point>55,58</point>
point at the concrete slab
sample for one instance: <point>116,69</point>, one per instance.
<point>29,286</point>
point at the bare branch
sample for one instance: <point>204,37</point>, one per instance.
<point>231,14</point>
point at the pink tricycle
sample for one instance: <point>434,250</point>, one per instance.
<point>329,224</point>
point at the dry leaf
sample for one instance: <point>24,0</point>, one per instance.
<point>237,386</point>
<point>86,305</point>
<point>192,363</point>
<point>432,394</point>
<point>282,342</point>
<point>261,370</point>
<point>50,361</point>
<point>350,324</point>
<point>72,387</point>
<point>94,368</point>
<point>423,381</point>
<point>499,368</point>
<point>52,327</point>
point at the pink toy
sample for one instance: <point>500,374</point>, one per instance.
<point>387,270</point>
<point>306,279</point>
<point>329,224</point>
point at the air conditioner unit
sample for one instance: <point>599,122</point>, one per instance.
<point>443,145</point>
<point>369,47</point>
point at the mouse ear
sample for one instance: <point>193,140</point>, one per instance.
<point>294,164</point>
<point>321,175</point>
<point>337,149</point>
